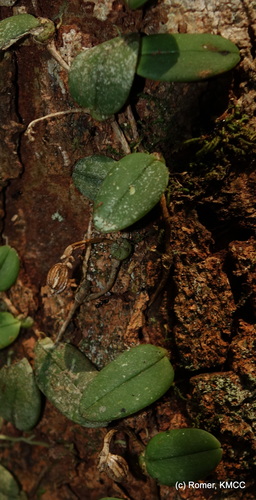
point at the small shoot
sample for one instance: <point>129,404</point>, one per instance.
<point>134,380</point>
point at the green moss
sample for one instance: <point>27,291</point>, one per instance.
<point>230,136</point>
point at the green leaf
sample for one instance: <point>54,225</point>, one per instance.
<point>134,380</point>
<point>135,4</point>
<point>9,489</point>
<point>121,249</point>
<point>15,27</point>
<point>9,267</point>
<point>20,398</point>
<point>131,189</point>
<point>9,329</point>
<point>89,173</point>
<point>181,455</point>
<point>100,78</point>
<point>45,31</point>
<point>63,373</point>
<point>26,322</point>
<point>185,57</point>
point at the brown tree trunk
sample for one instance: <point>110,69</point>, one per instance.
<point>188,285</point>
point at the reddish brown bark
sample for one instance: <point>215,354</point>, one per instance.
<point>188,286</point>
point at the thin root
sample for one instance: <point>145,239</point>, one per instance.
<point>29,132</point>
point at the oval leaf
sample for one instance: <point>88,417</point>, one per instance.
<point>20,398</point>
<point>63,373</point>
<point>130,190</point>
<point>134,380</point>
<point>9,329</point>
<point>15,27</point>
<point>9,267</point>
<point>181,455</point>
<point>185,57</point>
<point>89,173</point>
<point>100,78</point>
<point>9,488</point>
<point>121,249</point>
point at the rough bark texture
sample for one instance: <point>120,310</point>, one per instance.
<point>189,285</point>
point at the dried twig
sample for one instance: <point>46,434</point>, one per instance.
<point>121,137</point>
<point>133,124</point>
<point>9,304</point>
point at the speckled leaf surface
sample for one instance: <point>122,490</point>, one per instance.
<point>89,173</point>
<point>14,27</point>
<point>134,380</point>
<point>100,78</point>
<point>182,455</point>
<point>131,189</point>
<point>211,206</point>
<point>62,373</point>
<point>185,57</point>
<point>20,398</point>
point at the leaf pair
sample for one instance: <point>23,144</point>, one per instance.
<point>9,270</point>
<point>101,78</point>
<point>134,380</point>
<point>123,191</point>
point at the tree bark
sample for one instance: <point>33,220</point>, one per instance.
<point>189,284</point>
